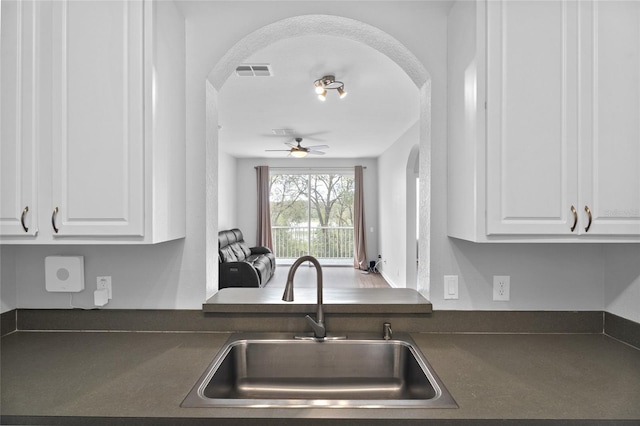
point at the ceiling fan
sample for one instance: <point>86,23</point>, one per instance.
<point>299,151</point>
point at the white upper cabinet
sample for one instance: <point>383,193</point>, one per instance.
<point>111,131</point>
<point>18,126</point>
<point>555,130</point>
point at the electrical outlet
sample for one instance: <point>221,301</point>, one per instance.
<point>105,282</point>
<point>501,284</point>
<point>450,286</point>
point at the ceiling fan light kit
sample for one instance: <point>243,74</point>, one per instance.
<point>298,153</point>
<point>329,82</point>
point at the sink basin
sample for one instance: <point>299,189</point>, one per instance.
<point>268,370</point>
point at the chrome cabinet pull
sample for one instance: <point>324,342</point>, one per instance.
<point>24,213</point>
<point>588,210</point>
<point>53,220</point>
<point>575,218</point>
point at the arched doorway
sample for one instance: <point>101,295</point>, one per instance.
<point>321,25</point>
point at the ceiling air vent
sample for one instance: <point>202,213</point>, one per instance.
<point>254,70</point>
<point>282,132</point>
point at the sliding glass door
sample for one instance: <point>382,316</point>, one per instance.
<point>312,213</point>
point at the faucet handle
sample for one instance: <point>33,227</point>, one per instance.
<point>319,329</point>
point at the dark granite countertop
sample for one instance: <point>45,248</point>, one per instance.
<point>141,378</point>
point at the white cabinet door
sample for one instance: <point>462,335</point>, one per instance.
<point>531,117</point>
<point>97,125</point>
<point>18,118</point>
<point>610,117</point>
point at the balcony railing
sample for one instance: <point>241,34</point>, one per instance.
<point>330,243</point>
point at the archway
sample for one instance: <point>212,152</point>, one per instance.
<point>318,25</point>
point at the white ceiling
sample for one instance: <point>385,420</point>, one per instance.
<point>381,105</point>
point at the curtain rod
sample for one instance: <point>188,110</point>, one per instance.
<point>312,168</point>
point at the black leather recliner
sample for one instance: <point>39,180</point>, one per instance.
<point>241,265</point>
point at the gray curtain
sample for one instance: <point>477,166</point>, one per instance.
<point>359,229</point>
<point>264,238</point>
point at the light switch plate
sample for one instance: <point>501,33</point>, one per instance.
<point>450,286</point>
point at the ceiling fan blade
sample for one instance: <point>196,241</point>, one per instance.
<point>281,150</point>
<point>315,152</point>
<point>317,147</point>
<point>291,144</point>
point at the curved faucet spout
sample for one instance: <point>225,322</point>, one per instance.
<point>319,329</point>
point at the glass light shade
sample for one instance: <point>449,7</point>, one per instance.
<point>298,153</point>
<point>323,95</point>
<point>341,92</point>
<point>319,89</point>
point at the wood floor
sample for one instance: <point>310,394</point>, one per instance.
<point>332,277</point>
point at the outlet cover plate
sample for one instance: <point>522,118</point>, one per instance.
<point>105,283</point>
<point>501,287</point>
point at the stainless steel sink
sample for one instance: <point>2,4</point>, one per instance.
<point>269,370</point>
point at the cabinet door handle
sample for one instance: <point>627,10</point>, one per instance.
<point>575,218</point>
<point>22,216</point>
<point>588,210</point>
<point>53,220</point>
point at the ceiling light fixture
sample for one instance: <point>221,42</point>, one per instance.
<point>298,153</point>
<point>329,82</point>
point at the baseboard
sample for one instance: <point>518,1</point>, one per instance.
<point>8,322</point>
<point>593,322</point>
<point>199,321</point>
<point>535,322</point>
<point>389,280</point>
<point>625,330</point>
<point>153,320</point>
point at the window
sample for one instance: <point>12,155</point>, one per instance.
<point>312,213</point>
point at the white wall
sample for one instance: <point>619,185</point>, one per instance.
<point>543,276</point>
<point>211,159</point>
<point>8,297</point>
<point>144,277</point>
<point>228,191</point>
<point>247,203</point>
<point>622,280</point>
<point>172,275</point>
<point>392,207</point>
